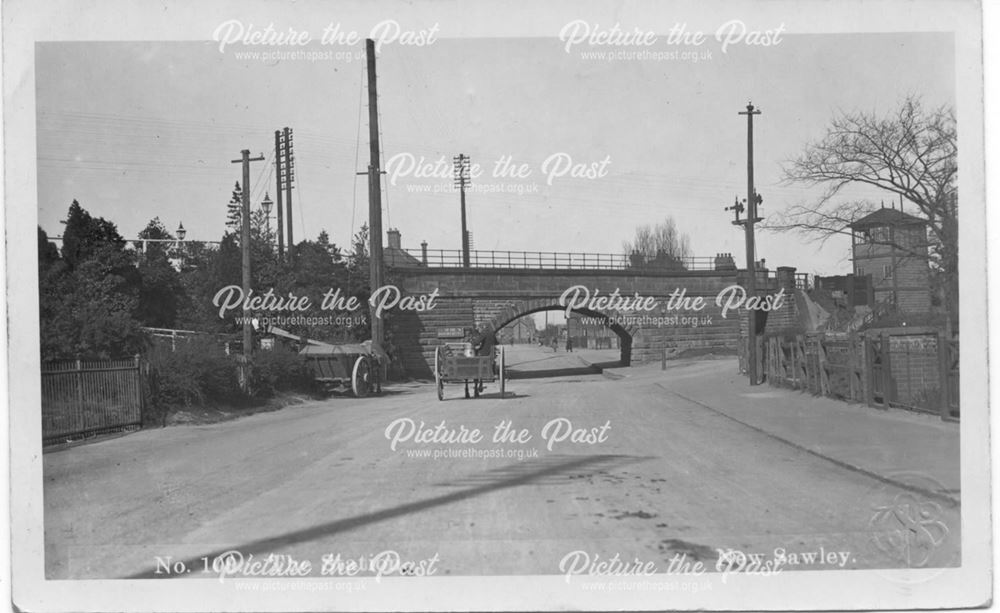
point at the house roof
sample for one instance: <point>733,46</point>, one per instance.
<point>398,258</point>
<point>886,217</point>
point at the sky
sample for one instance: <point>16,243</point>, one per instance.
<point>141,130</point>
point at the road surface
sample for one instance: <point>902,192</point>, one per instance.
<point>612,467</point>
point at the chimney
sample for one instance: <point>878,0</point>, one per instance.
<point>786,277</point>
<point>724,261</point>
<point>395,240</point>
<point>787,315</point>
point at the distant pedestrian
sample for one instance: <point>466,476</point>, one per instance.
<point>569,345</point>
<point>555,345</point>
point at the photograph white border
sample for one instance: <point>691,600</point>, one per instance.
<point>26,23</point>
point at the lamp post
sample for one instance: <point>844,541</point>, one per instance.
<point>181,233</point>
<point>266,206</point>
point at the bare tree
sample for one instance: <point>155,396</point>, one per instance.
<point>661,241</point>
<point>910,153</point>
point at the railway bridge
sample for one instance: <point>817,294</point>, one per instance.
<point>498,287</point>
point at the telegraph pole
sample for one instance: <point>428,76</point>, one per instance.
<point>750,204</point>
<point>374,192</point>
<point>278,169</point>
<point>245,245</point>
<point>461,180</point>
<point>288,167</point>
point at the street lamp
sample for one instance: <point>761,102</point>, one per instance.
<point>266,205</point>
<point>181,233</point>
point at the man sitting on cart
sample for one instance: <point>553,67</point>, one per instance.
<point>484,340</point>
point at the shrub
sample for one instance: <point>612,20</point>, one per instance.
<point>195,371</point>
<point>279,369</point>
<point>198,372</point>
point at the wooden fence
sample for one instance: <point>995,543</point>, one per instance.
<point>912,368</point>
<point>85,398</point>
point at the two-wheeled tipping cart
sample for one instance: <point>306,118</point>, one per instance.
<point>345,367</point>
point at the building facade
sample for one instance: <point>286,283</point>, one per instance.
<point>891,247</point>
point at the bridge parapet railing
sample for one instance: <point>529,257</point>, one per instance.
<point>554,260</point>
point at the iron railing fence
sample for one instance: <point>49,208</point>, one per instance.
<point>562,260</point>
<point>556,260</point>
<point>86,398</point>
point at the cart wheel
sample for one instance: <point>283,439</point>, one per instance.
<point>503,374</point>
<point>437,374</point>
<point>361,377</point>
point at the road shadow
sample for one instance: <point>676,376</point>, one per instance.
<point>569,371</point>
<point>508,395</point>
<point>517,371</point>
<point>385,392</point>
<point>553,469</point>
<point>564,472</point>
<point>608,364</point>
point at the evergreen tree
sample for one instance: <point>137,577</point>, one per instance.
<point>160,292</point>
<point>48,253</point>
<point>87,298</point>
<point>84,235</point>
<point>234,214</point>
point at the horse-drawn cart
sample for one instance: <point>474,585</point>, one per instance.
<point>458,363</point>
<point>347,367</point>
<point>341,368</point>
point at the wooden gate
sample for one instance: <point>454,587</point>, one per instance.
<point>951,376</point>
<point>913,368</point>
<point>876,356</point>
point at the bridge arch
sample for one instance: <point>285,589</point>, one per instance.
<point>516,310</point>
